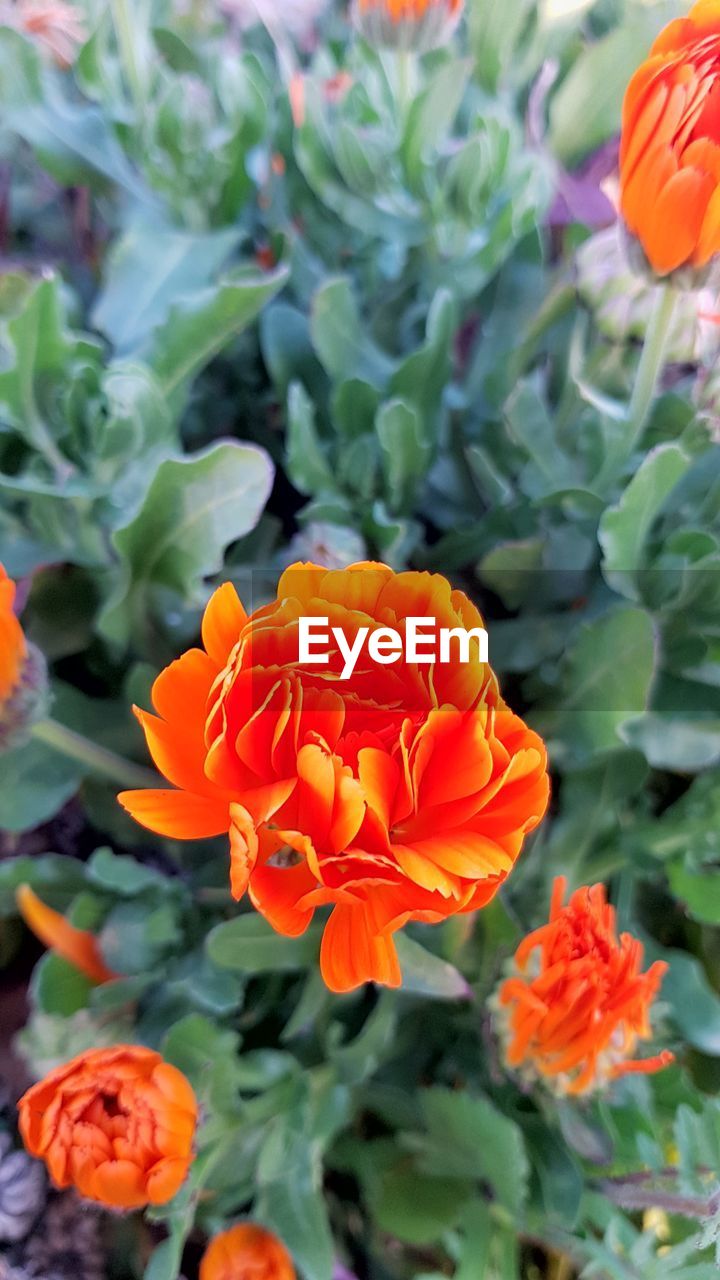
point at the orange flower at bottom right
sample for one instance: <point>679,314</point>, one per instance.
<point>577,1003</point>
<point>246,1252</point>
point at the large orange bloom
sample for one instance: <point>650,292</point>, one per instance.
<point>409,24</point>
<point>402,793</point>
<point>13,649</point>
<point>117,1124</point>
<point>578,1003</point>
<point>246,1252</point>
<point>670,149</point>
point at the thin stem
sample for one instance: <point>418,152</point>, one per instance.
<point>126,37</point>
<point>404,85</point>
<point>96,759</point>
<point>651,364</point>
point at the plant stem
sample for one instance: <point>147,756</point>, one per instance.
<point>95,758</point>
<point>126,38</point>
<point>404,90</point>
<point>651,363</point>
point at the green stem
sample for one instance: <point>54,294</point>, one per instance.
<point>651,364</point>
<point>125,32</point>
<point>404,82</point>
<point>96,759</point>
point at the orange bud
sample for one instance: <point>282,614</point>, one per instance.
<point>117,1124</point>
<point>407,24</point>
<point>246,1252</point>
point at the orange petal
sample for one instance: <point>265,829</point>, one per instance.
<point>671,231</point>
<point>180,815</point>
<point>351,955</point>
<point>77,946</point>
<point>222,623</point>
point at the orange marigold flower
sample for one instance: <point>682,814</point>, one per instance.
<point>117,1124</point>
<point>402,793</point>
<point>246,1252</point>
<point>77,946</point>
<point>670,148</point>
<point>577,1003</point>
<point>13,647</point>
<point>407,24</point>
<point>55,25</point>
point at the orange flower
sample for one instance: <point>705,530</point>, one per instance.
<point>670,149</point>
<point>13,649</point>
<point>246,1252</point>
<point>117,1124</point>
<point>402,793</point>
<point>77,946</point>
<point>577,1003</point>
<point>57,26</point>
<point>407,24</point>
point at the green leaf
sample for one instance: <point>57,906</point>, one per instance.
<point>339,336</point>
<point>586,109</point>
<point>307,464</point>
<point>427,975</point>
<point>250,945</point>
<point>123,876</point>
<point>137,935</point>
<point>695,1007</point>
<point>58,987</point>
<point>290,1200</point>
<point>698,890</point>
<point>195,507</point>
<point>208,1056</point>
<point>150,268</point>
<point>624,528</point>
<point>55,878</point>
<point>405,451</point>
<point>417,1208</point>
<point>201,324</point>
<point>73,140</point>
<point>607,677</point>
<point>35,783</point>
<point>673,742</point>
<point>468,1138</point>
<point>433,111</point>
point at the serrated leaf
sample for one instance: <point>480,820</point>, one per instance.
<point>195,507</point>
<point>624,528</point>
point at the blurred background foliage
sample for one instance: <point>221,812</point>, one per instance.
<point>267,294</point>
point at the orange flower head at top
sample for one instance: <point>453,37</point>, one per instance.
<point>246,1252</point>
<point>670,146</point>
<point>117,1124</point>
<point>403,791</point>
<point>577,1002</point>
<point>416,25</point>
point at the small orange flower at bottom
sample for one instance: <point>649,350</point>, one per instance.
<point>577,1003</point>
<point>246,1252</point>
<point>117,1124</point>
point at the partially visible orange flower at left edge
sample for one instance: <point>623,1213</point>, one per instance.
<point>246,1252</point>
<point>13,647</point>
<point>578,1003</point>
<point>403,793</point>
<point>77,946</point>
<point>118,1124</point>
